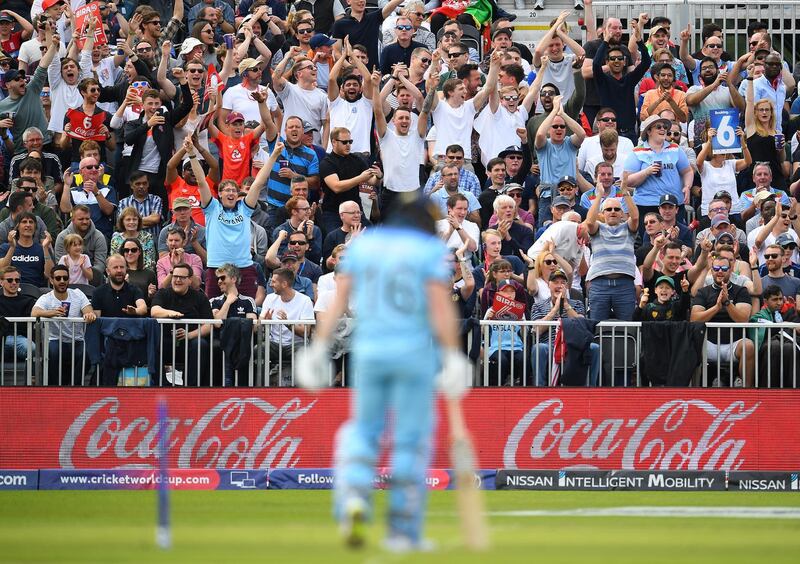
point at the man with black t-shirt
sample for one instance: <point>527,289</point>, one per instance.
<point>15,304</point>
<point>180,301</point>
<point>118,298</point>
<point>725,302</point>
<point>342,173</point>
<point>611,32</point>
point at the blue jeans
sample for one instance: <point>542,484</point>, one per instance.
<point>19,344</point>
<point>612,294</point>
<point>405,386</point>
<point>542,355</point>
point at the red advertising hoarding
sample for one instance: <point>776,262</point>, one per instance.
<point>641,429</point>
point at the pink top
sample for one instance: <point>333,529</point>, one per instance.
<point>164,266</point>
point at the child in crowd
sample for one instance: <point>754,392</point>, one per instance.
<point>667,305</point>
<point>80,267</point>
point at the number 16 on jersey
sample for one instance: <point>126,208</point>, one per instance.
<point>725,122</point>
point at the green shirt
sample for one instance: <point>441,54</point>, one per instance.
<point>28,110</point>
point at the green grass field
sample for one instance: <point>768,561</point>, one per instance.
<point>295,526</point>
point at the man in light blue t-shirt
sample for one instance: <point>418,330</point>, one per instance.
<point>558,153</point>
<point>228,222</point>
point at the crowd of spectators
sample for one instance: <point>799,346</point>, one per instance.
<point>213,159</point>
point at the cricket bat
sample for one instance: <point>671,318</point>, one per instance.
<point>470,500</point>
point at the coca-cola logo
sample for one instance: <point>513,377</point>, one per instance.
<point>222,437</point>
<point>679,434</point>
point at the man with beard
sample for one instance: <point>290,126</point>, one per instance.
<point>610,32</point>
<point>771,86</point>
<point>118,298</point>
<point>94,244</point>
<point>351,106</point>
<point>711,92</point>
<point>65,342</point>
<point>665,96</point>
<point>302,99</point>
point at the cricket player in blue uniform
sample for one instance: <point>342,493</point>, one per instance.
<point>406,333</point>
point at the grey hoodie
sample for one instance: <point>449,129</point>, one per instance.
<point>94,245</point>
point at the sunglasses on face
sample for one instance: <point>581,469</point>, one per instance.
<point>550,262</point>
<point>714,45</point>
<point>157,22</point>
<point>613,209</point>
<point>128,250</point>
<point>616,58</point>
<point>302,243</point>
<point>510,98</point>
<point>558,126</point>
<point>61,278</point>
<point>608,119</point>
<point>305,31</point>
<point>514,157</point>
<point>179,277</point>
<point>771,256</point>
<point>455,157</point>
<point>404,27</point>
<point>454,55</point>
<point>143,49</point>
<point>221,278</point>
<point>425,60</point>
<point>195,71</point>
<point>345,141</point>
<point>720,268</point>
<point>91,167</point>
<point>12,280</point>
<point>547,93</point>
<point>660,127</point>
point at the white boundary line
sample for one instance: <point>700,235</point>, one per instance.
<point>662,511</point>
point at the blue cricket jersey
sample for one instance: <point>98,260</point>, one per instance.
<point>390,268</point>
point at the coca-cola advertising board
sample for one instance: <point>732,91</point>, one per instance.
<point>578,429</point>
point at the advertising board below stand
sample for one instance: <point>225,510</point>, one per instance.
<point>657,429</point>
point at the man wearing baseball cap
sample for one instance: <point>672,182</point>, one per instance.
<point>239,98</point>
<point>23,101</point>
<point>568,188</point>
<point>11,40</point>
<point>559,306</point>
<point>668,210</point>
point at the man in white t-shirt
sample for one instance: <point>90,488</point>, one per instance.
<point>454,116</point>
<point>32,50</point>
<point>238,98</point>
<point>592,152</point>
<point>284,339</point>
<point>302,99</point>
<point>65,339</point>
<point>499,121</point>
<point>456,230</point>
<point>350,106</point>
<point>401,146</point>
